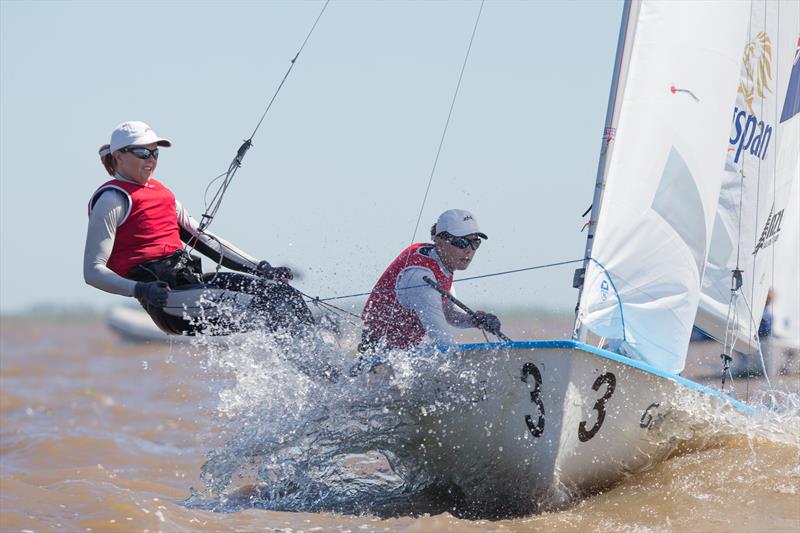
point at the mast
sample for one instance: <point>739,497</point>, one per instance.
<point>620,64</point>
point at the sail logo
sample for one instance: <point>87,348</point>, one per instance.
<point>757,63</point>
<point>771,230</point>
<point>753,135</point>
<point>603,291</point>
<point>746,138</point>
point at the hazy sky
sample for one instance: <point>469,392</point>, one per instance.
<point>336,177</point>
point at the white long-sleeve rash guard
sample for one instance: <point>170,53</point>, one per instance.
<point>110,208</point>
<point>436,315</point>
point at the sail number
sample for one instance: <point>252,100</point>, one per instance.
<point>610,381</point>
<point>531,372</point>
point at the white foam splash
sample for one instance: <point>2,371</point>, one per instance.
<point>306,436</point>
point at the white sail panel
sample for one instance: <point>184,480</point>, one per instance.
<point>762,164</point>
<point>663,178</point>
<point>786,303</point>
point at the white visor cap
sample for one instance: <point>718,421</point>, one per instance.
<point>459,223</point>
<point>135,133</point>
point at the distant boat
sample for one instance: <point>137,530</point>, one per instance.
<point>133,324</point>
<point>549,418</point>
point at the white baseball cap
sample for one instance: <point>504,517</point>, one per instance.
<point>458,223</point>
<point>134,133</point>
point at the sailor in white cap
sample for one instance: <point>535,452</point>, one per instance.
<point>403,308</point>
<point>135,247</point>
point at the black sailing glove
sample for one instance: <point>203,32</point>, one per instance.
<point>486,321</point>
<point>280,274</point>
<point>152,292</point>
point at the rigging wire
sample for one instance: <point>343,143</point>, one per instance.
<point>505,272</point>
<point>760,353</point>
<point>447,123</point>
<point>213,206</point>
<point>732,319</point>
<point>753,326</point>
<point>732,325</point>
<point>324,302</point>
<point>319,302</point>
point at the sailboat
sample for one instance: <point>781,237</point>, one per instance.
<point>548,418</point>
<point>133,324</point>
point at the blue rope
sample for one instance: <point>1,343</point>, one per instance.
<point>616,293</point>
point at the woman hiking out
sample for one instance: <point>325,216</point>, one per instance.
<point>135,247</point>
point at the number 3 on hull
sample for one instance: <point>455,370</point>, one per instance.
<point>557,417</point>
<point>600,406</point>
<point>531,371</point>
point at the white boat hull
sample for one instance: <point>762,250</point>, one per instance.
<point>551,418</point>
<point>135,325</point>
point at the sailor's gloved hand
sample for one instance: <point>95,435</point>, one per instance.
<point>152,292</point>
<point>486,321</point>
<point>279,274</point>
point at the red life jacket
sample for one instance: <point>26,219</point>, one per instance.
<point>384,318</point>
<point>149,230</point>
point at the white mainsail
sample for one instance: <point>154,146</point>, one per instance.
<point>762,164</point>
<point>663,176</point>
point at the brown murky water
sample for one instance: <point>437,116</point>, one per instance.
<point>98,435</point>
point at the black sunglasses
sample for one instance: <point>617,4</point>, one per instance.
<point>463,242</point>
<point>141,152</point>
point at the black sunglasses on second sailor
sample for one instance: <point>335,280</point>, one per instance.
<point>462,242</point>
<point>141,152</point>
